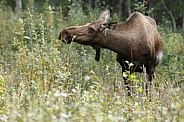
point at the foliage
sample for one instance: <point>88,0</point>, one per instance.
<point>153,8</point>
<point>140,6</point>
<point>42,79</point>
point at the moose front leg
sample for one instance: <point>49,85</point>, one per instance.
<point>127,83</point>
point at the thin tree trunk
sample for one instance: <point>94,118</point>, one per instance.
<point>172,17</point>
<point>120,9</point>
<point>91,4</point>
<point>174,22</point>
<point>129,6</point>
<point>151,4</point>
<point>18,8</point>
<point>183,22</point>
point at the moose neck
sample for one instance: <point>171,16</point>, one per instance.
<point>113,40</point>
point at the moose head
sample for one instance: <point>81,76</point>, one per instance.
<point>87,34</point>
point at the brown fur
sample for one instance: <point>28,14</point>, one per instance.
<point>136,40</point>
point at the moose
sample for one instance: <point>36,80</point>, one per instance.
<point>135,40</point>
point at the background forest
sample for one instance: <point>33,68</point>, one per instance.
<point>42,79</point>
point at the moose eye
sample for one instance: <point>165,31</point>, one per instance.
<point>90,30</point>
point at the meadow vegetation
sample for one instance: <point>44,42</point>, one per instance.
<point>42,79</point>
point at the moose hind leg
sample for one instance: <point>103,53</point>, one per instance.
<point>150,73</point>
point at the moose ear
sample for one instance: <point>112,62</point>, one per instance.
<point>108,26</point>
<point>105,15</point>
<point>112,25</point>
<point>60,36</point>
<point>63,35</point>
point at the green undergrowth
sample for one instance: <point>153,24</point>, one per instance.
<point>42,79</point>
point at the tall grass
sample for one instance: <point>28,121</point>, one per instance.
<point>42,79</point>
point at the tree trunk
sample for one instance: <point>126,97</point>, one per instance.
<point>91,4</point>
<point>129,6</point>
<point>151,3</point>
<point>120,9</point>
<point>183,22</point>
<point>18,8</point>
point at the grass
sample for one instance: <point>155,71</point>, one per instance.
<point>42,79</point>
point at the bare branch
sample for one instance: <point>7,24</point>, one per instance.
<point>170,13</point>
